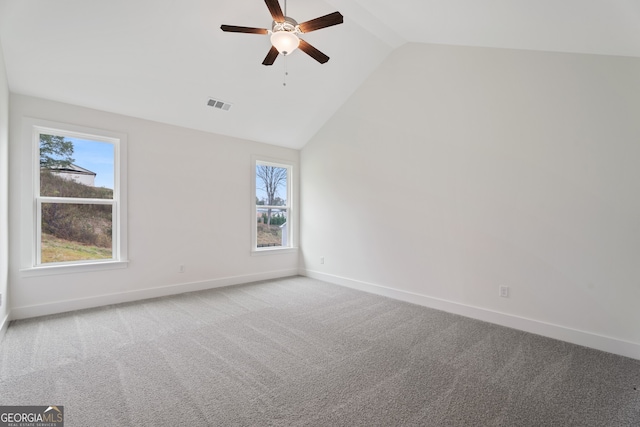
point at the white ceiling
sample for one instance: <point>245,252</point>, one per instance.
<point>162,59</point>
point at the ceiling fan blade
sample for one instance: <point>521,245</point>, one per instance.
<point>334,18</point>
<point>248,30</point>
<point>271,56</point>
<point>276,11</point>
<point>313,52</point>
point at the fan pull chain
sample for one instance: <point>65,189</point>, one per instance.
<point>286,73</point>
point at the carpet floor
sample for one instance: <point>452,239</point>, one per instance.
<point>300,352</point>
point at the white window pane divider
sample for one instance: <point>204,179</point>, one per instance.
<point>78,201</point>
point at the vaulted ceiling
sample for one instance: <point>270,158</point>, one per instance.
<point>163,59</point>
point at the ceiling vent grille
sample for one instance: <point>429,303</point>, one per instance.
<point>220,105</point>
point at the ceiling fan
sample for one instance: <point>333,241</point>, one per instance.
<point>285,30</point>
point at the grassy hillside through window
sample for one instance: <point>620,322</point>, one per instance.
<point>73,231</point>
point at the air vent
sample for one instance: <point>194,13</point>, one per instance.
<point>220,105</point>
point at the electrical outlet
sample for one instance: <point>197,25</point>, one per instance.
<point>321,260</point>
<point>504,291</point>
<point>181,268</point>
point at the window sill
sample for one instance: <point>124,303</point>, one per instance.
<point>273,251</point>
<point>72,268</point>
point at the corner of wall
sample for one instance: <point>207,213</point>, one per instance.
<point>3,328</point>
<point>4,186</point>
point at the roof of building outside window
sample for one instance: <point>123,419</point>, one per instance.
<point>72,169</point>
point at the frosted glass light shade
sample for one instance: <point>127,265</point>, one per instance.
<point>285,41</point>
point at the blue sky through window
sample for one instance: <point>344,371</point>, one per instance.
<point>97,157</point>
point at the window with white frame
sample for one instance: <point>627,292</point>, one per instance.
<point>79,208</point>
<point>272,221</point>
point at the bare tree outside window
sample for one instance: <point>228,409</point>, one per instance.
<point>274,182</point>
<point>272,206</point>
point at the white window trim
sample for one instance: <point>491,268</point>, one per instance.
<point>291,205</point>
<point>29,218</point>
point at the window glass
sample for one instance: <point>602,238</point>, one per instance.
<point>73,167</point>
<point>272,192</point>
<point>76,232</point>
<point>272,231</point>
<point>77,198</point>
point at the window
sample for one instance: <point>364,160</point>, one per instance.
<point>272,217</point>
<point>78,213</point>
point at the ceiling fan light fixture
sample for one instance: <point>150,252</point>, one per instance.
<point>285,41</point>
<point>285,30</point>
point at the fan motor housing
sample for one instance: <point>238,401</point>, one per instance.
<point>290,25</point>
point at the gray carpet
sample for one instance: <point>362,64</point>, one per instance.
<point>299,352</point>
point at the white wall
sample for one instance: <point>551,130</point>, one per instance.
<point>4,175</point>
<point>455,170</point>
<point>189,203</point>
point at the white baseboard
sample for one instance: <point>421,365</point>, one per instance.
<point>587,339</point>
<point>141,294</point>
